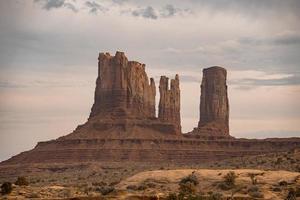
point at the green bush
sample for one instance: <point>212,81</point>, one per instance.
<point>6,188</point>
<point>21,181</point>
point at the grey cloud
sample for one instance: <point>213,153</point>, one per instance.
<point>147,12</point>
<point>252,8</point>
<point>288,38</point>
<point>168,11</point>
<point>54,4</point>
<point>71,6</point>
<point>95,7</point>
<point>250,83</point>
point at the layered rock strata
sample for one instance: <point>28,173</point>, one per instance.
<point>214,106</point>
<point>169,104</point>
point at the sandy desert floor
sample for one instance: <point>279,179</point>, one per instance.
<point>272,176</point>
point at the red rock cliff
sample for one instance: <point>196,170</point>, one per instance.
<point>123,88</point>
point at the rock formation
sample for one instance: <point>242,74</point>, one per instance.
<point>124,103</point>
<point>122,126</point>
<point>123,88</point>
<point>169,104</point>
<point>214,106</point>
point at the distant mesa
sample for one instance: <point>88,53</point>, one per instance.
<point>123,124</point>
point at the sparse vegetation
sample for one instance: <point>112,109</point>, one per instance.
<point>253,178</point>
<point>215,196</point>
<point>6,188</point>
<point>105,190</point>
<point>187,185</point>
<point>255,192</point>
<point>291,195</point>
<point>229,181</point>
<point>229,178</point>
<point>21,181</point>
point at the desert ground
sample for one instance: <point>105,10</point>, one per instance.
<point>270,176</point>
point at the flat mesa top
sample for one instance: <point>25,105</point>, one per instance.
<point>214,68</point>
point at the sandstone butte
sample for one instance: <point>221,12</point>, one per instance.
<point>123,126</point>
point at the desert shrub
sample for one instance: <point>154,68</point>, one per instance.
<point>276,189</point>
<point>187,188</point>
<point>132,187</point>
<point>192,178</point>
<point>224,186</point>
<point>187,185</point>
<point>228,181</point>
<point>253,189</point>
<point>291,195</point>
<point>105,190</point>
<point>253,178</point>
<point>229,178</point>
<point>282,183</point>
<point>297,191</point>
<point>215,196</point>
<point>172,196</point>
<point>254,192</point>
<point>21,181</point>
<point>142,187</point>
<point>6,188</point>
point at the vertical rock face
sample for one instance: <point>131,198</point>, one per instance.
<point>169,103</point>
<point>214,106</point>
<point>123,88</point>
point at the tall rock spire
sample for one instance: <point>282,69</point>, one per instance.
<point>169,103</point>
<point>214,106</point>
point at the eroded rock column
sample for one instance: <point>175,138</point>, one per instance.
<point>169,103</point>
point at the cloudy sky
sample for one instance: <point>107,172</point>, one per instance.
<point>49,49</point>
